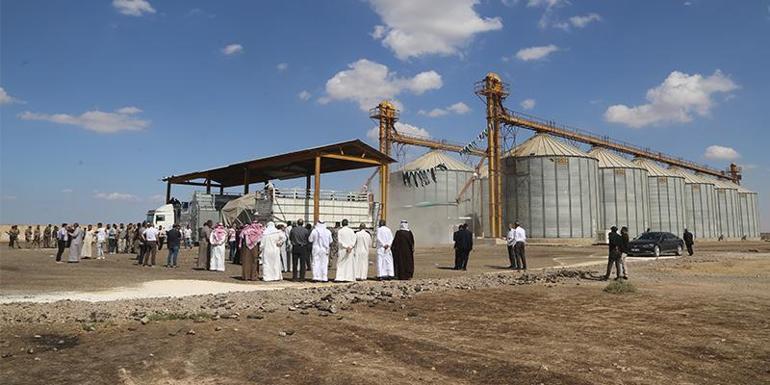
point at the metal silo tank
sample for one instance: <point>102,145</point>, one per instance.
<point>551,189</point>
<point>666,192</point>
<point>700,205</point>
<point>727,208</point>
<point>623,192</point>
<point>431,208</point>
<point>747,210</point>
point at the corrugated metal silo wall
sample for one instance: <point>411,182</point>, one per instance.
<point>432,210</point>
<point>667,204</point>
<point>481,208</point>
<point>755,210</point>
<point>727,213</point>
<point>747,209</point>
<point>700,210</point>
<point>552,196</point>
<point>623,199</point>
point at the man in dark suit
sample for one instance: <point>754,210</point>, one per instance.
<point>688,241</point>
<point>463,239</point>
<point>615,250</point>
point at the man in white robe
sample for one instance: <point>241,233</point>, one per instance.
<point>217,240</point>
<point>286,253</point>
<point>346,261</point>
<point>383,240</point>
<point>272,242</point>
<point>321,238</point>
<point>361,250</point>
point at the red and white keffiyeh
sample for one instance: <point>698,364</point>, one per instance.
<point>252,234</point>
<point>218,235</point>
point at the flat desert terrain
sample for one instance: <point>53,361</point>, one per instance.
<point>693,320</point>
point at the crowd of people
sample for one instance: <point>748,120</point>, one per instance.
<point>298,247</point>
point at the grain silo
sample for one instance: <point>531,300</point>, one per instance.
<point>666,197</point>
<point>748,214</point>
<point>623,192</point>
<point>550,187</point>
<point>727,208</point>
<point>700,215</point>
<point>425,193</point>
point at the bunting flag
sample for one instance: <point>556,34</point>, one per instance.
<point>422,178</point>
<point>470,146</point>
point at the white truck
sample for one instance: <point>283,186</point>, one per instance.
<point>162,216</point>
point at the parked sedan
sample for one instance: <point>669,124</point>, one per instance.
<point>656,244</point>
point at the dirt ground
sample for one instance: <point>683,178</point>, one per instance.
<point>701,320</point>
<point>34,271</point>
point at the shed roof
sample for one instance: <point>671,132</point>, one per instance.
<point>545,145</point>
<point>350,155</point>
<point>433,158</point>
<point>609,159</point>
<point>653,169</point>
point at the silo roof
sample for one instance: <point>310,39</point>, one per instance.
<point>653,169</point>
<point>721,183</point>
<point>690,177</point>
<point>609,159</point>
<point>545,145</point>
<point>434,158</point>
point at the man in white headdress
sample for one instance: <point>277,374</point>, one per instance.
<point>346,264</point>
<point>217,240</point>
<point>361,249</point>
<point>272,243</point>
<point>383,240</point>
<point>321,238</point>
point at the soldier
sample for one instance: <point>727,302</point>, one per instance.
<point>36,237</point>
<point>28,237</point>
<point>47,236</point>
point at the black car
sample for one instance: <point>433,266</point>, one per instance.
<point>655,244</point>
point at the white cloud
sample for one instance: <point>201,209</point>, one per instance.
<point>417,28</point>
<point>368,83</point>
<point>232,49</point>
<point>536,53</point>
<point>304,95</point>
<point>8,197</point>
<point>528,104</point>
<point>458,108</point>
<point>66,190</point>
<point>157,198</point>
<point>130,110</point>
<point>97,121</point>
<point>116,196</point>
<point>717,152</point>
<point>282,67</point>
<point>5,98</point>
<point>133,7</point>
<point>549,6</point>
<point>545,3</point>
<point>675,100</point>
<point>583,21</point>
<point>401,128</point>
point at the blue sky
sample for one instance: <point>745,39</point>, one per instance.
<point>101,99</point>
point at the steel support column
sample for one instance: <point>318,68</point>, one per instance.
<point>317,192</point>
<point>168,191</point>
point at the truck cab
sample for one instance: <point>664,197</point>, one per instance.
<point>162,216</point>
